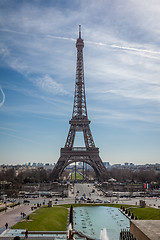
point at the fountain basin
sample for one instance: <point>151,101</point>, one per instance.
<point>91,220</point>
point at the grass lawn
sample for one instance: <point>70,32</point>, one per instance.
<point>78,176</point>
<point>45,219</point>
<point>146,213</point>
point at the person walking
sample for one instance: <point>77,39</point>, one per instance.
<point>6,225</point>
<point>26,233</point>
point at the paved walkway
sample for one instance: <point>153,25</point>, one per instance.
<point>13,215</point>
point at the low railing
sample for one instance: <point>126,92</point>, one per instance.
<point>126,235</point>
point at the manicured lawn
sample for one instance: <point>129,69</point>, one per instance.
<point>146,213</point>
<point>45,219</point>
<point>78,176</point>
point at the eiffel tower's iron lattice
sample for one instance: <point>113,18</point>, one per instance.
<point>79,123</point>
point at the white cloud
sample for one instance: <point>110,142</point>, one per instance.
<point>147,13</point>
<point>3,97</point>
<point>39,40</point>
<point>47,84</point>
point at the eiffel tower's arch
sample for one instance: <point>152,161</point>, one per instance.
<point>86,160</point>
<point>80,123</point>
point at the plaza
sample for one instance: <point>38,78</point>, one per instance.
<point>12,216</point>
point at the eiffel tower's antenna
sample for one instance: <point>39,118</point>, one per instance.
<point>79,31</point>
<point>79,123</point>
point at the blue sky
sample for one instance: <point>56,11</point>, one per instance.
<point>37,76</point>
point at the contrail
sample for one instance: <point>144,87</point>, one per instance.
<point>43,35</point>
<point>3,100</point>
<point>63,38</point>
<point>135,49</point>
<point>123,47</point>
<point>140,50</point>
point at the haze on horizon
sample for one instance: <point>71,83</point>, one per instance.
<point>37,78</point>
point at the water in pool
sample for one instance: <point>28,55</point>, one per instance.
<point>91,220</point>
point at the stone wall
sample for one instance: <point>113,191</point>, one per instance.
<point>145,229</point>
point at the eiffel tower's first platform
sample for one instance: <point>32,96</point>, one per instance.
<point>79,123</point>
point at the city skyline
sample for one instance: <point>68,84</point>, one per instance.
<point>121,71</point>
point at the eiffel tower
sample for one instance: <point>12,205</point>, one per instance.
<point>79,123</point>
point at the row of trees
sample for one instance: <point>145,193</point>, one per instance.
<point>41,175</point>
<point>132,175</point>
<point>26,176</point>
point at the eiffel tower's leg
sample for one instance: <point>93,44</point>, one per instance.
<point>96,163</point>
<point>101,167</point>
<point>70,138</point>
<point>57,171</point>
<point>88,139</point>
<point>83,170</point>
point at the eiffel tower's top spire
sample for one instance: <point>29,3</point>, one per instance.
<point>79,107</point>
<point>79,31</point>
<point>79,43</point>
